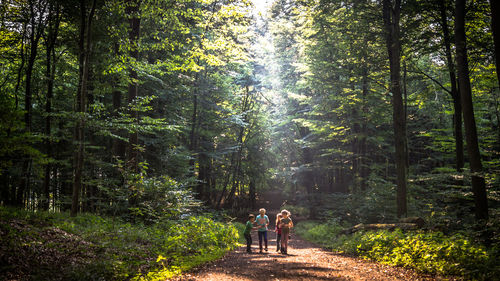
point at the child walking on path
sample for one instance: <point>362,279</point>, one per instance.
<point>278,231</point>
<point>262,223</point>
<point>248,229</point>
<point>285,223</point>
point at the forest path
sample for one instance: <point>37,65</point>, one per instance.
<point>305,261</point>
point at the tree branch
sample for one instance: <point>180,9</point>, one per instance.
<point>432,79</point>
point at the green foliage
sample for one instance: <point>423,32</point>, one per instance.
<point>297,210</point>
<point>430,252</point>
<point>109,248</point>
<point>321,233</point>
<point>241,228</point>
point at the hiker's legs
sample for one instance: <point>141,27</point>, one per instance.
<point>261,235</point>
<point>248,237</point>
<point>265,238</point>
<point>278,241</point>
<point>284,241</point>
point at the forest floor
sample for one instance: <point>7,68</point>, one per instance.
<point>304,261</point>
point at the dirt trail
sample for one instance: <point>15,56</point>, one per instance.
<point>304,262</point>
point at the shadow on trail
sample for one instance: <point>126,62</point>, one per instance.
<point>270,266</point>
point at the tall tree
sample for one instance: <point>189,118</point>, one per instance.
<point>85,48</point>
<point>478,182</point>
<point>134,21</point>
<point>455,95</point>
<point>54,20</point>
<point>495,27</point>
<point>392,13</point>
<point>36,26</point>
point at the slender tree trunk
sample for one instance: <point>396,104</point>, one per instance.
<point>497,115</point>
<point>13,188</point>
<point>212,183</point>
<point>194,122</point>
<point>201,187</point>
<point>391,11</point>
<point>133,86</point>
<point>478,183</point>
<point>193,142</point>
<point>309,183</point>
<point>84,49</point>
<point>37,9</point>
<point>237,170</point>
<point>252,193</point>
<point>53,24</point>
<point>236,175</point>
<point>495,27</point>
<point>455,95</point>
<point>226,182</point>
<point>118,145</point>
<point>364,131</point>
<point>405,105</point>
<point>134,21</point>
<point>48,142</point>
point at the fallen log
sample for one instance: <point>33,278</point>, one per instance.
<point>417,220</point>
<point>380,226</point>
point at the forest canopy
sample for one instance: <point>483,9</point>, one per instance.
<point>360,111</point>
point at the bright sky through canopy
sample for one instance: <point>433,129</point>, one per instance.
<point>261,5</point>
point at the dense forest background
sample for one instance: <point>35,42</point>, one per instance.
<point>143,108</point>
<point>151,111</point>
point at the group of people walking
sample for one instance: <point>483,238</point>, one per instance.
<point>261,222</point>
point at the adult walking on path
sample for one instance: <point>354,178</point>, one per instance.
<point>307,262</point>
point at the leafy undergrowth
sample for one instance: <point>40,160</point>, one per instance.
<point>428,252</point>
<point>55,246</point>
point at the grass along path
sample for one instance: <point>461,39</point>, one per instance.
<point>304,262</point>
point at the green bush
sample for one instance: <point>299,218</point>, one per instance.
<point>240,227</point>
<point>296,210</point>
<point>321,233</point>
<point>430,252</point>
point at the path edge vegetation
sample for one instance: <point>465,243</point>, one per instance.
<point>90,247</point>
<point>431,252</point>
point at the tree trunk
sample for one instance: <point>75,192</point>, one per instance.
<point>478,183</point>
<point>226,182</point>
<point>53,24</point>
<point>194,122</point>
<point>391,11</point>
<point>118,145</point>
<point>364,131</point>
<point>455,95</point>
<point>495,27</point>
<point>13,188</point>
<point>37,26</point>
<point>237,170</point>
<point>134,21</point>
<point>252,193</point>
<point>133,87</point>
<point>309,183</point>
<point>84,51</point>
<point>201,187</point>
